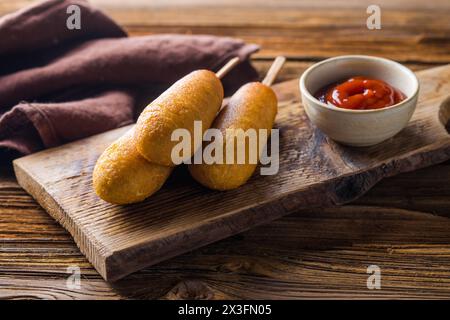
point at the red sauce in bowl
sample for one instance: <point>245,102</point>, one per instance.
<point>360,93</point>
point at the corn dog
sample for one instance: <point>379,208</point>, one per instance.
<point>253,106</point>
<point>121,175</point>
<point>197,96</point>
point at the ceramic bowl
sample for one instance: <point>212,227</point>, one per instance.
<point>359,127</point>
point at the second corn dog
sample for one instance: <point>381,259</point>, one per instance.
<point>253,106</point>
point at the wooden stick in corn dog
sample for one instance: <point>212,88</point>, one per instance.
<point>253,106</point>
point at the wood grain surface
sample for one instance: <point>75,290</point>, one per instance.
<point>313,172</point>
<point>402,224</point>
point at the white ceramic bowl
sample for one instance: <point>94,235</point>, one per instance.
<point>359,127</point>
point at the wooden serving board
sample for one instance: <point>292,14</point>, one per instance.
<point>314,171</point>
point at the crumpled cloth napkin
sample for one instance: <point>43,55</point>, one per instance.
<point>58,85</point>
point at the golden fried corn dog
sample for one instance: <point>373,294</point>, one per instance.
<point>195,97</point>
<point>253,106</point>
<point>121,175</point>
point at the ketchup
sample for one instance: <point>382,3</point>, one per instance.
<point>360,93</point>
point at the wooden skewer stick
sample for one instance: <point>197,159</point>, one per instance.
<point>273,71</point>
<point>227,67</point>
<point>268,79</point>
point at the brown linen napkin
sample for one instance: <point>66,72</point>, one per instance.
<point>58,85</point>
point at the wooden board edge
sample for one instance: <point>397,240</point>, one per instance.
<point>198,237</point>
<point>26,181</point>
<point>119,264</point>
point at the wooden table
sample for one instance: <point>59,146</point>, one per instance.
<point>402,225</point>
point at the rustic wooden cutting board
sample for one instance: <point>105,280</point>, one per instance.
<point>314,171</point>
